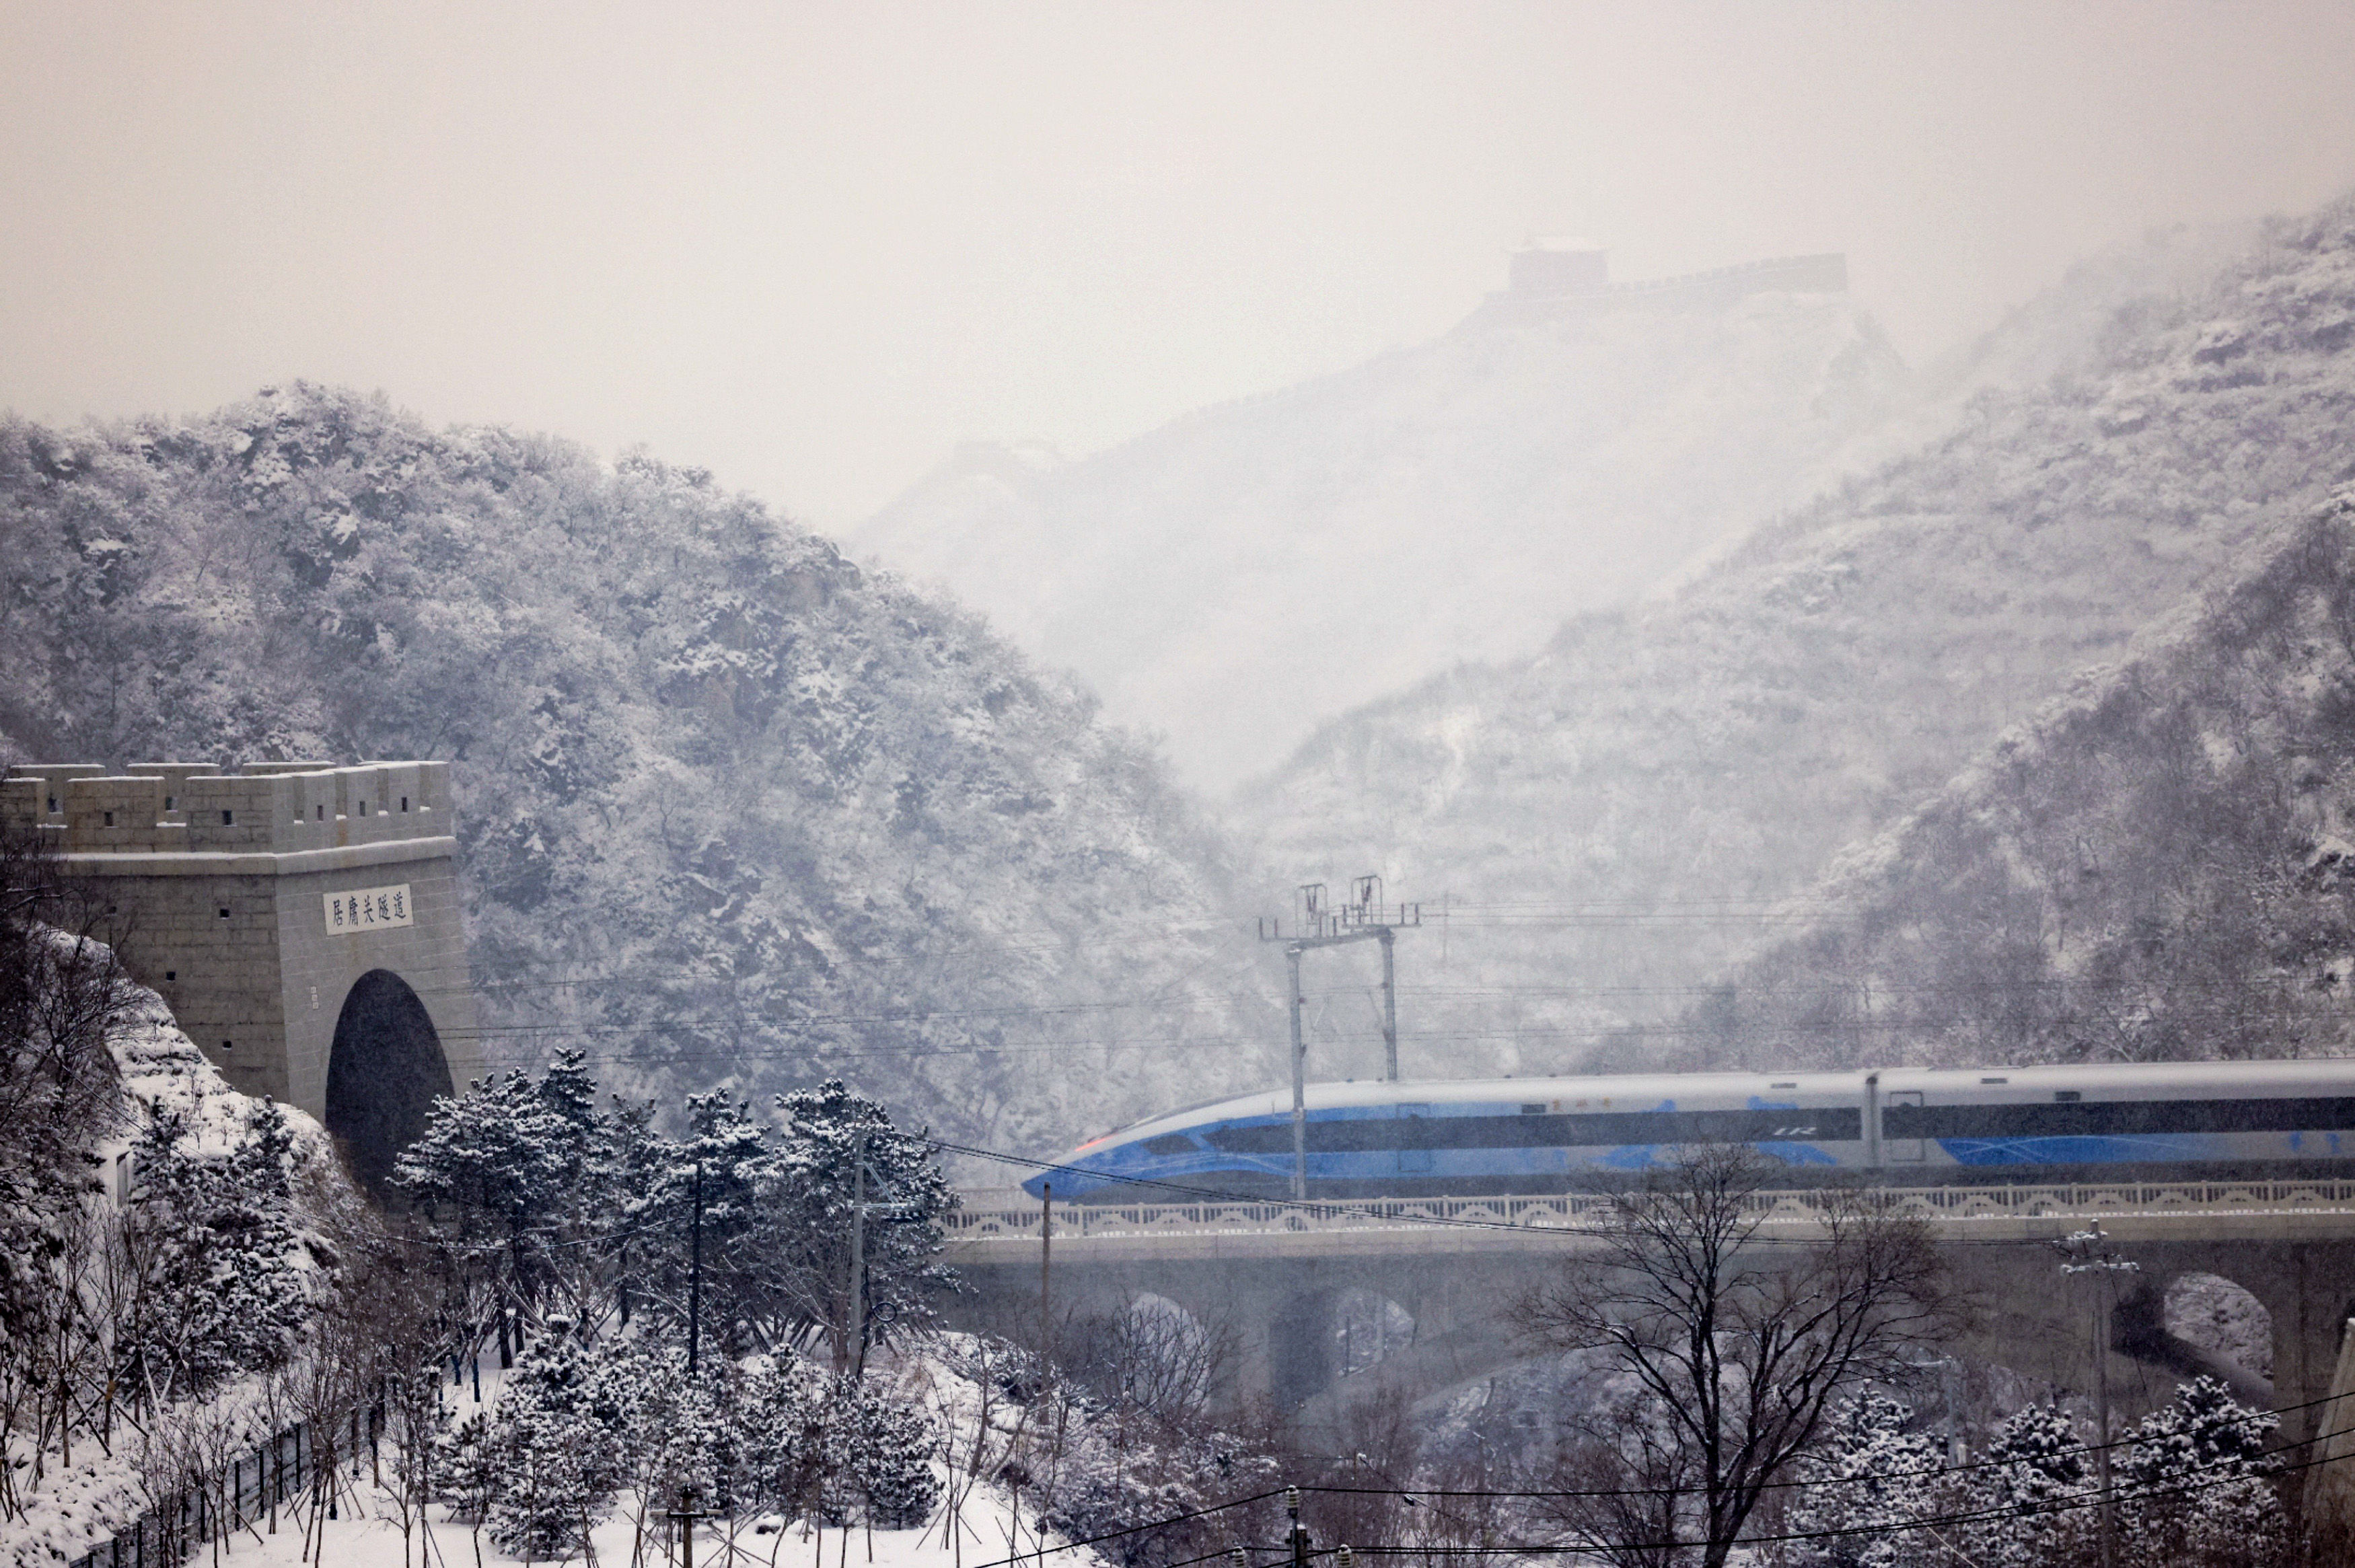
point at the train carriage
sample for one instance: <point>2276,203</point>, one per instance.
<point>2200,1120</point>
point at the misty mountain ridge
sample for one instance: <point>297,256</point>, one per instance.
<point>1615,823</point>
<point>1250,569</point>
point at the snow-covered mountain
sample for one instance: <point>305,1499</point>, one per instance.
<point>1616,821</point>
<point>1248,570</point>
<point>2160,865</point>
<point>733,810</point>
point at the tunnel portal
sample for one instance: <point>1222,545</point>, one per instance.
<point>383,1071</point>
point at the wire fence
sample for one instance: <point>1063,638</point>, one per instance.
<point>269,1476</point>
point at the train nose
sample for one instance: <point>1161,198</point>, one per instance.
<point>1073,1177</point>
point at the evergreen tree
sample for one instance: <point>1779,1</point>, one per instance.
<point>885,1452</point>
<point>466,1467</point>
<point>521,1172</point>
<point>2036,1468</point>
<point>1873,1473</point>
<point>724,1167</point>
<point>829,1131</point>
<point>560,1425</point>
<point>219,1281</point>
<point>783,1416</point>
<point>702,1441</point>
<point>2202,1466</point>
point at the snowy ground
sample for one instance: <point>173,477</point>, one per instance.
<point>975,1526</point>
<point>987,1534</point>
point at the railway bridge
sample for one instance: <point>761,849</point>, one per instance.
<point>1303,1286</point>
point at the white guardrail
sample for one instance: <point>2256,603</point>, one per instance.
<point>990,1217</point>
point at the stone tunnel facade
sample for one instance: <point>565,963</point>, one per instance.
<point>302,921</point>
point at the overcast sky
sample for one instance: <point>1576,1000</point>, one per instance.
<point>812,245</point>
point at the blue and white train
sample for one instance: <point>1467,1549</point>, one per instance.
<point>2202,1120</point>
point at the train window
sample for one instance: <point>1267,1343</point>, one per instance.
<point>1169,1143</point>
<point>1537,1109</point>
<point>1995,1080</point>
<point>2066,1095</point>
<point>1792,1085</point>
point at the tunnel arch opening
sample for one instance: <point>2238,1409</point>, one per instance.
<point>383,1072</point>
<point>2224,1318</point>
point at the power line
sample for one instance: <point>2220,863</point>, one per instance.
<point>2066,1503</point>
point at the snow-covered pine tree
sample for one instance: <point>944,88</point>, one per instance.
<point>2198,1477</point>
<point>2035,1481</point>
<point>220,1284</point>
<point>684,1431</point>
<point>809,1216</point>
<point>885,1450</point>
<point>559,1427</point>
<point>746,1278</point>
<point>1872,1474</point>
<point>466,1466</point>
<point>783,1412</point>
<point>525,1167</point>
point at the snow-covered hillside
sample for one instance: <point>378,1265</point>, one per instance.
<point>1616,821</point>
<point>2159,866</point>
<point>1251,569</point>
<point>732,810</point>
<point>233,1293</point>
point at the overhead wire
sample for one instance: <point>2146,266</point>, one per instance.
<point>2062,1503</point>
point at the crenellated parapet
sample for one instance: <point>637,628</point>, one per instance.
<point>270,808</point>
<point>301,920</point>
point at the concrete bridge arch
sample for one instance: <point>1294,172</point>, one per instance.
<point>1276,1274</point>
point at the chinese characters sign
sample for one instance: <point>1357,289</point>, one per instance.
<point>367,909</point>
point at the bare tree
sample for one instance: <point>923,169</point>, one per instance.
<point>1737,1349</point>
<point>61,995</point>
<point>1156,1359</point>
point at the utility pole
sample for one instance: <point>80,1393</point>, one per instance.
<point>1389,1002</point>
<point>1045,1253</point>
<point>684,1516</point>
<point>1364,919</point>
<point>1299,1531</point>
<point>1299,1078</point>
<point>695,1276</point>
<point>2088,1252</point>
<point>855,1341</point>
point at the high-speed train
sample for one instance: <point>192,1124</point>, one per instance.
<point>2205,1120</point>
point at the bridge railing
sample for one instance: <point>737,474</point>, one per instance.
<point>1004,1221</point>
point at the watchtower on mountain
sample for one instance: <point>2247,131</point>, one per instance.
<point>1555,264</point>
<point>302,921</point>
<point>1555,279</point>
